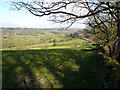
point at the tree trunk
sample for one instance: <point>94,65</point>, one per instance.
<point>110,51</point>
<point>118,50</point>
<point>118,33</point>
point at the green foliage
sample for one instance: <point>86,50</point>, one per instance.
<point>54,42</point>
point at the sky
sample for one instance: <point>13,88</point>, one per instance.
<point>24,19</point>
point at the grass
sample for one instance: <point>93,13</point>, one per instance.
<point>61,38</point>
<point>49,45</point>
<point>50,68</point>
<point>77,40</point>
<point>65,42</point>
<point>53,47</point>
<point>25,36</point>
<point>87,47</point>
<point>38,45</point>
<point>59,47</point>
<point>49,33</point>
<point>25,41</point>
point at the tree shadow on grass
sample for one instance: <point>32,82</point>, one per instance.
<point>16,72</point>
<point>79,69</point>
<point>55,68</point>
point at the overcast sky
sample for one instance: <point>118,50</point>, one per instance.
<point>24,19</point>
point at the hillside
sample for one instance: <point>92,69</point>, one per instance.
<point>13,39</point>
<point>33,58</point>
<point>55,68</point>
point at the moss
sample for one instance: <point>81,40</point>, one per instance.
<point>112,72</point>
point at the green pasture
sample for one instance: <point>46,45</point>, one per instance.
<point>25,36</point>
<point>50,68</point>
<point>61,38</point>
<point>38,45</point>
<point>50,33</point>
<point>33,36</point>
<point>50,44</point>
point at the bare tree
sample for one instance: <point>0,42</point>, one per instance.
<point>71,11</point>
<point>104,34</point>
<point>107,24</point>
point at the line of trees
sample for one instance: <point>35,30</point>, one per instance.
<point>103,18</point>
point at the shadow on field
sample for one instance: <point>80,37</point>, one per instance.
<point>55,68</point>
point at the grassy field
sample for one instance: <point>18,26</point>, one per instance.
<point>47,44</point>
<point>26,38</point>
<point>54,59</point>
<point>50,68</point>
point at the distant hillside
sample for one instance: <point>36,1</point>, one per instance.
<point>9,28</point>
